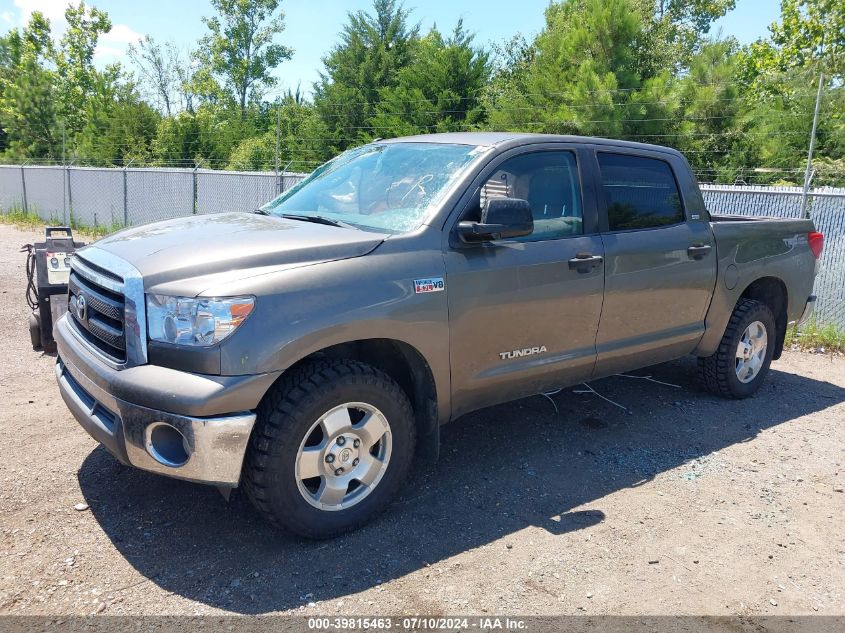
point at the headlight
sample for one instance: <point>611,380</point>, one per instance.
<point>199,322</point>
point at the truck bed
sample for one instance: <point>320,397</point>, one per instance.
<point>750,248</point>
<point>733,217</point>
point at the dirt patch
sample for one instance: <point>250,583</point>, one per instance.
<point>685,504</point>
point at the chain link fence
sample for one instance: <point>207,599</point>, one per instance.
<point>827,210</point>
<point>116,197</point>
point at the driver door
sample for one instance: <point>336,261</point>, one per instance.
<point>524,312</point>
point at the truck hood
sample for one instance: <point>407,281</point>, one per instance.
<point>244,243</point>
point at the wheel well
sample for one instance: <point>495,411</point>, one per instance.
<point>772,292</point>
<point>409,369</point>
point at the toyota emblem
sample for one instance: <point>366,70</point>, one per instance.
<point>81,307</point>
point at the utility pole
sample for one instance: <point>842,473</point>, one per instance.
<point>808,173</point>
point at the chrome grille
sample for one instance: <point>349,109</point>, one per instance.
<point>97,310</point>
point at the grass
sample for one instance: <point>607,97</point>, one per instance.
<point>20,218</point>
<point>95,232</point>
<point>16,216</point>
<point>812,335</point>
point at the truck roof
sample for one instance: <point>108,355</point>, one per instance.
<point>513,139</point>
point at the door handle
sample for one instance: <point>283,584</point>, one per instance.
<point>585,262</point>
<point>698,251</point>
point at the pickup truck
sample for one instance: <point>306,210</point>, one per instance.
<point>310,350</point>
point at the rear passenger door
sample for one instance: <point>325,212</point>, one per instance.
<point>660,264</point>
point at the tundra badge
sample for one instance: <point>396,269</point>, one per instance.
<point>527,351</point>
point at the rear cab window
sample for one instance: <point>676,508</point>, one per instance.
<point>639,192</point>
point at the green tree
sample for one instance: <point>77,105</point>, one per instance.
<point>119,126</point>
<point>654,112</point>
<point>510,62</point>
<point>162,71</point>
<point>373,49</point>
<point>783,72</point>
<point>28,96</point>
<point>74,60</point>
<point>810,32</point>
<point>207,136</point>
<point>238,54</point>
<point>780,113</point>
<point>582,71</point>
<point>440,90</point>
<point>715,131</point>
<point>186,138</point>
<point>675,30</point>
<point>299,143</point>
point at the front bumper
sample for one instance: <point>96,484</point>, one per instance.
<point>213,443</point>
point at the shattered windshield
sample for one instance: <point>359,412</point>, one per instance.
<point>386,187</point>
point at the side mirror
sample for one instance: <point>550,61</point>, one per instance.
<point>501,218</point>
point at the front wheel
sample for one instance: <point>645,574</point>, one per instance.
<point>333,444</point>
<point>742,360</point>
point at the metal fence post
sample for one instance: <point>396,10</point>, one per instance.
<point>278,140</point>
<point>280,184</point>
<point>65,181</point>
<point>194,184</point>
<point>125,199</point>
<point>23,188</point>
<point>69,197</point>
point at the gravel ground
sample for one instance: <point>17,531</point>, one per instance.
<point>683,504</point>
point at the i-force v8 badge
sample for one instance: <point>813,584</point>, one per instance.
<point>432,284</point>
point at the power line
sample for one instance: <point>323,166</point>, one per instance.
<point>679,102</point>
<point>483,92</point>
<point>195,137</point>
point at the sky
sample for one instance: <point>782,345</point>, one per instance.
<point>311,26</point>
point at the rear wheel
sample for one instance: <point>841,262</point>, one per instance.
<point>742,360</point>
<point>332,445</point>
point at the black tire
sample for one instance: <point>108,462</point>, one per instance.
<point>35,330</point>
<point>286,415</point>
<point>718,373</point>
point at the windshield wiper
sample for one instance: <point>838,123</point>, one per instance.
<point>317,219</point>
<point>261,211</point>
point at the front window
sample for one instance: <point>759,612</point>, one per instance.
<point>549,182</point>
<point>389,187</point>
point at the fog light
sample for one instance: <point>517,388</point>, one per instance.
<point>167,445</point>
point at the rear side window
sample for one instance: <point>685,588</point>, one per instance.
<point>640,192</point>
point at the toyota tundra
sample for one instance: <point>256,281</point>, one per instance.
<point>310,351</point>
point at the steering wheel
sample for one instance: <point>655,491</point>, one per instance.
<point>418,185</point>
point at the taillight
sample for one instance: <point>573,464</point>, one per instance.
<point>816,242</point>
